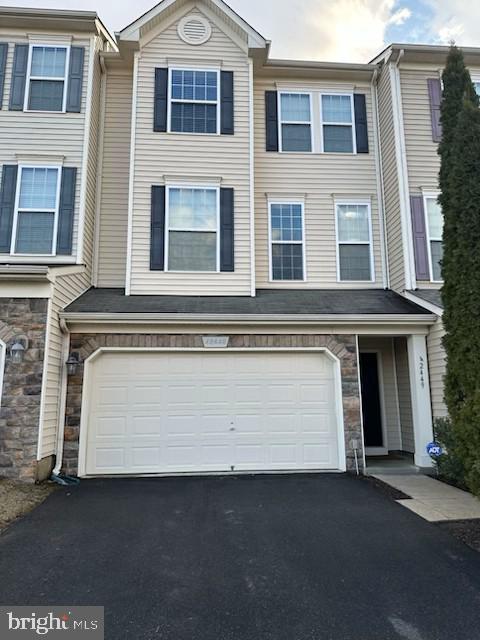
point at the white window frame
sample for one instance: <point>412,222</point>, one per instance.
<point>339,124</point>
<point>286,201</point>
<point>55,211</point>
<point>59,45</point>
<point>281,122</point>
<point>200,187</point>
<point>210,102</point>
<point>351,203</point>
<point>430,195</point>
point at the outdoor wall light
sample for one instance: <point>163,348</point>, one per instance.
<point>72,364</point>
<point>17,350</point>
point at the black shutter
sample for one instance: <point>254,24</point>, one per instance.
<point>227,231</point>
<point>435,97</point>
<point>420,242</point>
<point>157,230</point>
<point>3,64</point>
<point>75,79</point>
<point>361,126</point>
<point>227,104</point>
<point>160,100</point>
<point>19,76</point>
<point>66,211</point>
<point>7,205</point>
<point>271,120</point>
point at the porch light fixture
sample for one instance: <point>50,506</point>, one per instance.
<point>72,364</point>
<point>17,350</point>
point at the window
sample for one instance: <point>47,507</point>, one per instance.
<point>354,238</point>
<point>337,123</point>
<point>193,229</point>
<point>36,212</point>
<point>295,122</point>
<point>434,224</point>
<point>194,101</point>
<point>476,84</point>
<point>46,79</point>
<point>286,239</point>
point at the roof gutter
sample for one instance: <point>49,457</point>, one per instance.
<point>275,319</point>
<point>24,272</point>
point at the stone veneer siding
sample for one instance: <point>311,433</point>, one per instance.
<point>22,387</point>
<point>343,346</point>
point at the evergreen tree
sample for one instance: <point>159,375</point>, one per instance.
<point>460,200</point>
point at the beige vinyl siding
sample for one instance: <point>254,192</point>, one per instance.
<point>65,289</point>
<point>437,366</point>
<point>195,157</point>
<point>43,134</point>
<point>404,395</point>
<point>385,349</point>
<point>112,248</point>
<point>390,183</point>
<point>92,160</point>
<point>319,179</point>
<point>423,160</point>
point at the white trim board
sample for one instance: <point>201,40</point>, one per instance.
<point>3,357</point>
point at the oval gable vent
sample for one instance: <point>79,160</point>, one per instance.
<point>194,30</point>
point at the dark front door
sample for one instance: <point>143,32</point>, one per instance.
<point>371,406</point>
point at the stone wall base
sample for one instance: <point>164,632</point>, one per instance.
<point>22,387</point>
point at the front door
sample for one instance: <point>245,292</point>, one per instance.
<point>373,427</point>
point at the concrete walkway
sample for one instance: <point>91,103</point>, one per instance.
<point>433,500</point>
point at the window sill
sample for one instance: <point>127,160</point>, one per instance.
<point>191,133</point>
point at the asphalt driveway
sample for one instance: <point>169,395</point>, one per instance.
<point>249,558</point>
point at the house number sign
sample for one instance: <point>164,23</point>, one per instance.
<point>422,371</point>
<point>215,342</point>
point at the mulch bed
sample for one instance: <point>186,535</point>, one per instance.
<point>17,499</point>
<point>386,489</point>
<point>468,531</point>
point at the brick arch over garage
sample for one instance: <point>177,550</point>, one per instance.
<point>342,347</point>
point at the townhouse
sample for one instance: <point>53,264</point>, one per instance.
<point>409,94</point>
<point>208,256</point>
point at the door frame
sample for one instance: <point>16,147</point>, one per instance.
<point>85,404</point>
<point>377,451</point>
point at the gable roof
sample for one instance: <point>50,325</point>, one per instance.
<point>132,32</point>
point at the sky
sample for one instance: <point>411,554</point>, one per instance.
<point>329,30</point>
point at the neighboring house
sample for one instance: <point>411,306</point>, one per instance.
<point>235,291</point>
<point>409,93</point>
<point>49,131</point>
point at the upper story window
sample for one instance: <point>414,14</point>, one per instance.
<point>192,239</point>
<point>337,124</point>
<point>287,241</point>
<point>476,84</point>
<point>434,226</point>
<point>36,211</point>
<point>47,78</point>
<point>311,121</point>
<point>194,101</point>
<point>354,239</point>
<point>295,122</point>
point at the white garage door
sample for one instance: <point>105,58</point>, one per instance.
<point>174,412</point>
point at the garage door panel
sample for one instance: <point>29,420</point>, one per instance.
<point>153,412</point>
<point>109,426</point>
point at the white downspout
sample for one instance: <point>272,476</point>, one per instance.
<point>402,170</point>
<point>380,185</point>
<point>63,399</point>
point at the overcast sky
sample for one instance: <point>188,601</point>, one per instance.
<point>342,30</point>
